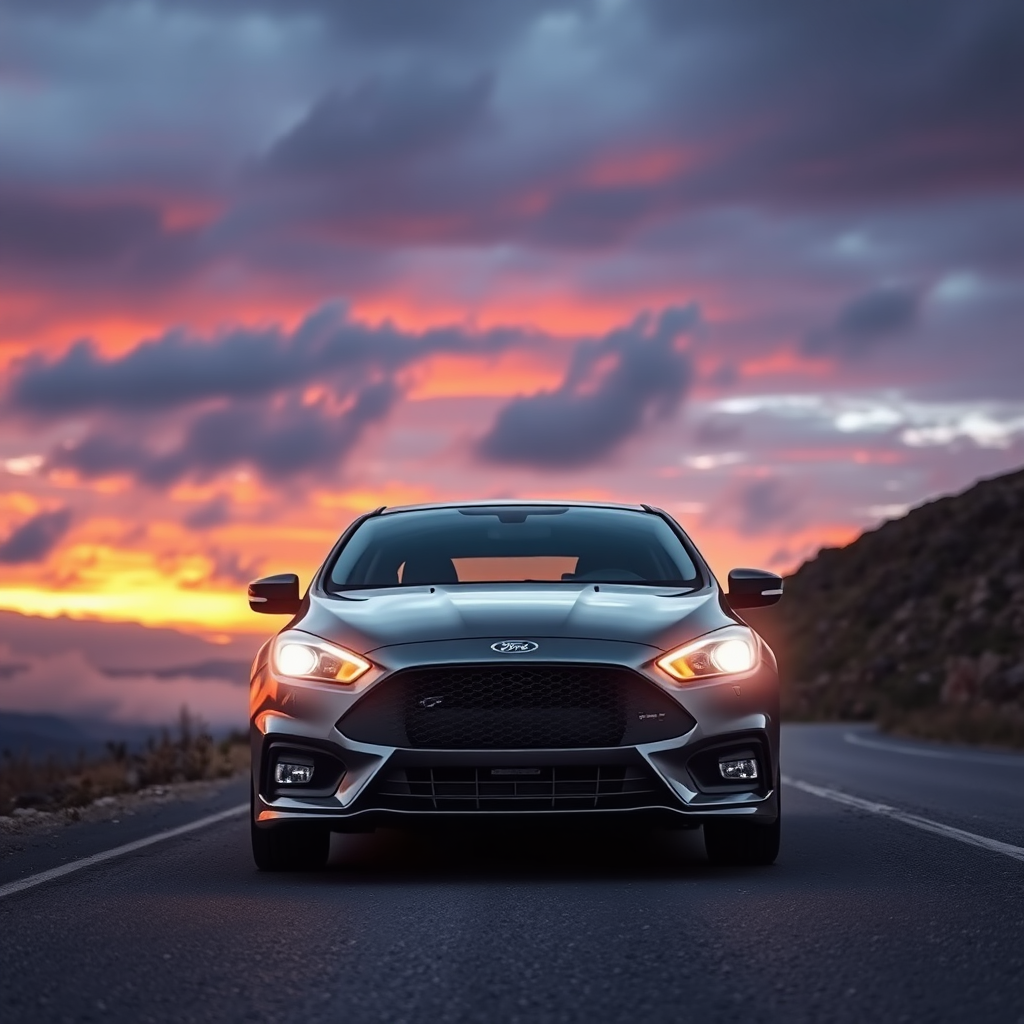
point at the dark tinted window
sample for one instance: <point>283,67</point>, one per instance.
<point>513,544</point>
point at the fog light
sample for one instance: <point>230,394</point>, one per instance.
<point>738,770</point>
<point>291,774</point>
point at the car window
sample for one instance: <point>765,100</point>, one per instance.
<point>548,544</point>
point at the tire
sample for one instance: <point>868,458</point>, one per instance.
<point>744,842</point>
<point>288,847</point>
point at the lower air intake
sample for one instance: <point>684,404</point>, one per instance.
<point>561,788</point>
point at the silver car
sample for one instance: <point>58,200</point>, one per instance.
<point>514,661</point>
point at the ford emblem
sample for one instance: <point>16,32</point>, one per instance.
<point>514,646</point>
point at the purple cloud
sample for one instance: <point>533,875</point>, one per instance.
<point>34,539</point>
<point>596,409</point>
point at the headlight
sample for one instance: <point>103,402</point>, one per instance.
<point>303,656</point>
<point>726,652</point>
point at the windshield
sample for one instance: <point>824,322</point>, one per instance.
<point>513,544</point>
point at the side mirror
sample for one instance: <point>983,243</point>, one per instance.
<point>275,595</point>
<point>754,588</point>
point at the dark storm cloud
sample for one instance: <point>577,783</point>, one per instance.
<point>718,430</point>
<point>725,375</point>
<point>230,567</point>
<point>51,232</point>
<point>597,407</point>
<point>425,122</point>
<point>811,106</point>
<point>877,313</point>
<point>177,408</point>
<point>215,512</point>
<point>762,505</point>
<point>278,443</point>
<point>93,245</point>
<point>864,323</point>
<point>440,24</point>
<point>34,539</point>
<point>381,125</point>
<point>404,24</point>
<point>844,104</point>
<point>404,156</point>
<point>585,216</point>
<point>178,369</point>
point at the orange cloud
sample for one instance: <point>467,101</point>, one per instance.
<point>162,576</point>
<point>38,321</point>
<point>786,362</point>
<point>359,501</point>
<point>503,376</point>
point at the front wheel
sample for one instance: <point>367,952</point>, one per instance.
<point>288,847</point>
<point>744,842</point>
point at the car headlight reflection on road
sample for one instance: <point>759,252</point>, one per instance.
<point>726,652</point>
<point>302,656</point>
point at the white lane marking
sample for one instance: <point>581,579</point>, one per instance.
<point>926,824</point>
<point>118,851</point>
<point>1004,760</point>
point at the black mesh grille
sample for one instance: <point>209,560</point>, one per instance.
<point>563,788</point>
<point>507,707</point>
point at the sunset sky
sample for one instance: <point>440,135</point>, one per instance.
<point>265,265</point>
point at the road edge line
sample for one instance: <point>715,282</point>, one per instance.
<point>118,851</point>
<point>925,824</point>
<point>1005,760</point>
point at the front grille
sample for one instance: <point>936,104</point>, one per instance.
<point>508,707</point>
<point>563,788</point>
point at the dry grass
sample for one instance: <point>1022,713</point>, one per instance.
<point>187,754</point>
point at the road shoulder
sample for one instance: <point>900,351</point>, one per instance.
<point>40,842</point>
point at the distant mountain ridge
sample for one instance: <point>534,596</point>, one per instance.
<point>44,735</point>
<point>918,624</point>
<point>83,670</point>
<point>116,645</point>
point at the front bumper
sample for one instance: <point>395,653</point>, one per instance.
<point>671,781</point>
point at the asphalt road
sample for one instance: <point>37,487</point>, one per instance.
<point>883,909</point>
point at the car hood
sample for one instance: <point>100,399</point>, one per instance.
<point>368,620</point>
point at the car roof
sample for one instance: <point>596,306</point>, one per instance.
<point>506,502</point>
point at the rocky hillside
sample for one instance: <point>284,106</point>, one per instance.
<point>918,624</point>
